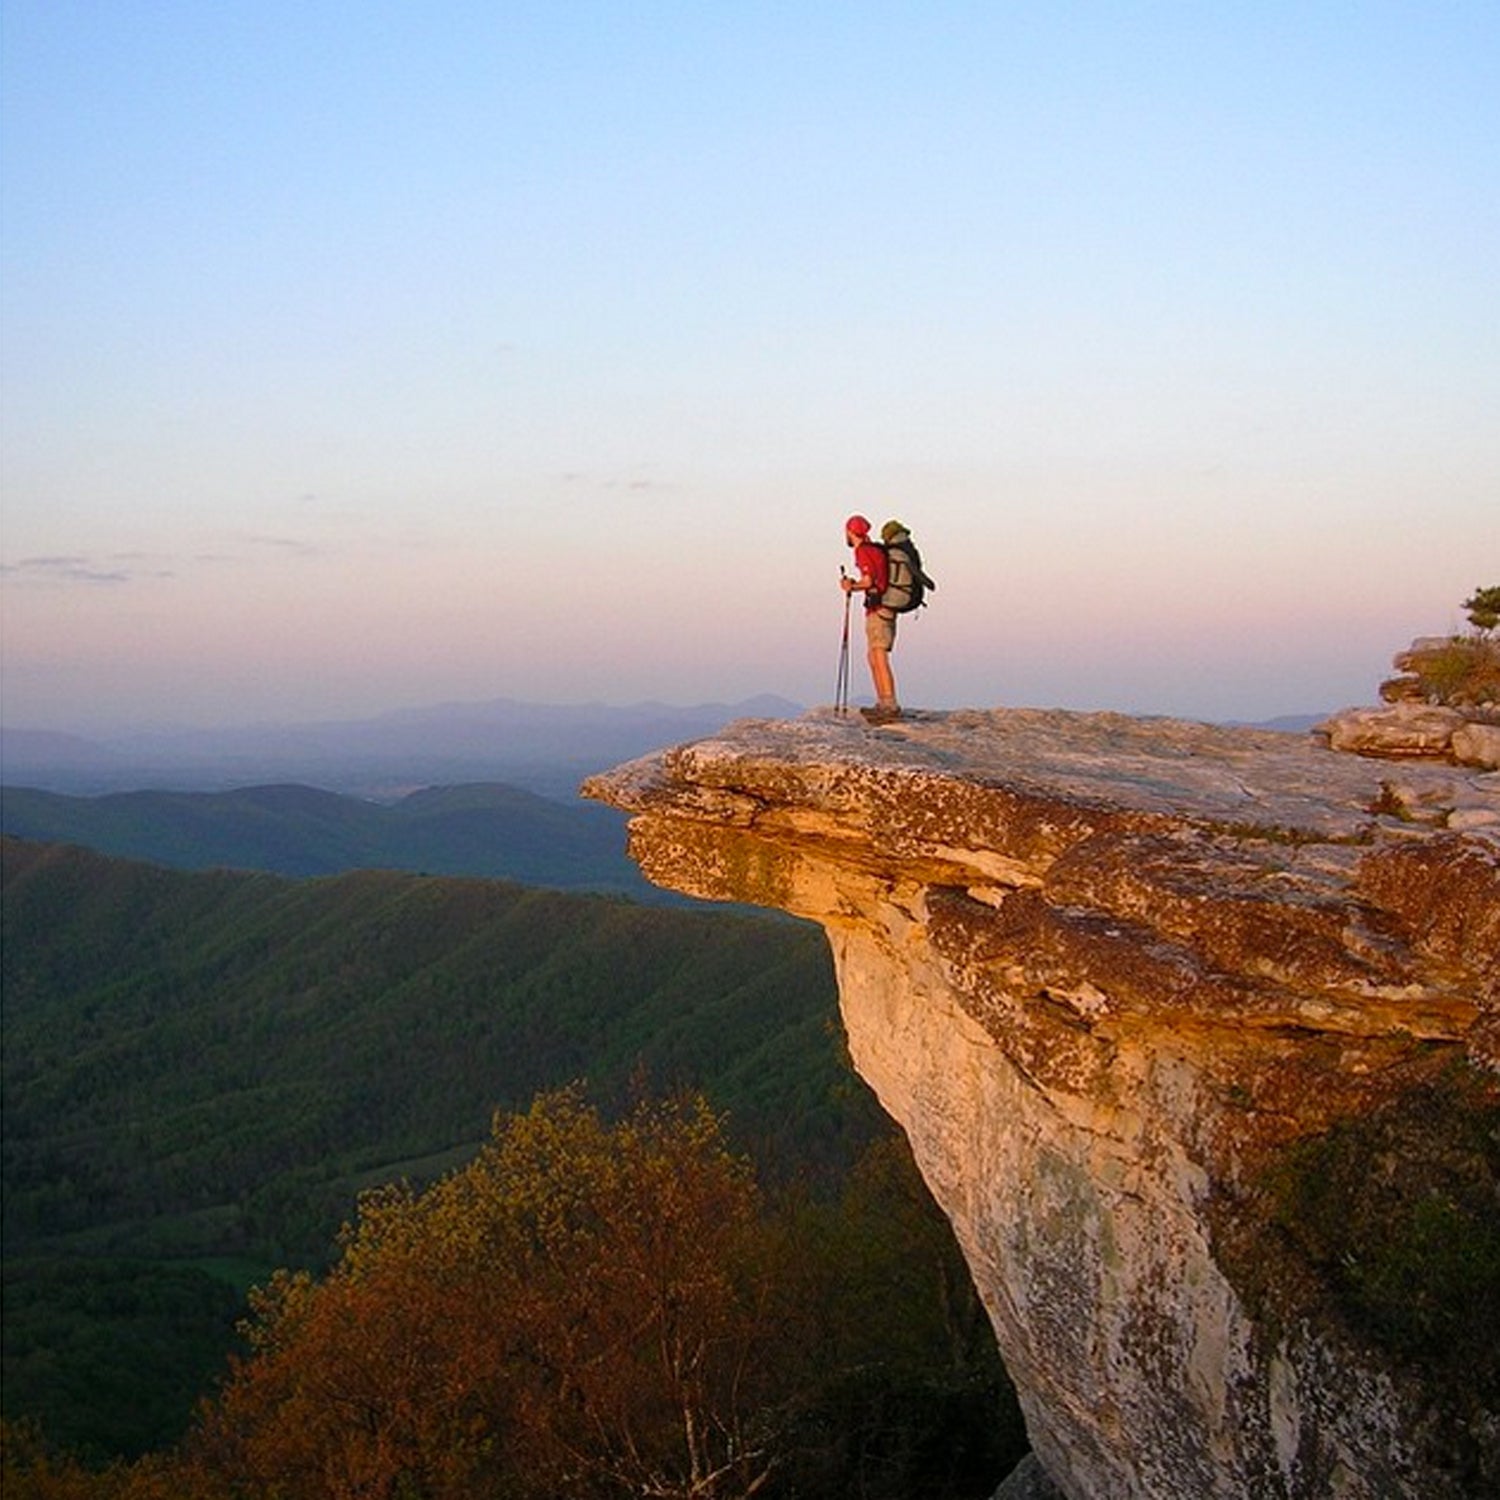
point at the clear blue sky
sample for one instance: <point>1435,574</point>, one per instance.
<point>360,355</point>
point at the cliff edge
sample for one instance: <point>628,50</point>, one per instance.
<point>1195,1033</point>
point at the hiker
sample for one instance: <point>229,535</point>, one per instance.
<point>873,576</point>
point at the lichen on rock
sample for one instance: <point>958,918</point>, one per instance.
<point>1119,980</point>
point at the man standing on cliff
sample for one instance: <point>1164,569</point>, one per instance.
<point>872,577</point>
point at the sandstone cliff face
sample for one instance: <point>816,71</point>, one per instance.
<point>1107,973</point>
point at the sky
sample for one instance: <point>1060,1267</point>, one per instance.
<point>360,355</point>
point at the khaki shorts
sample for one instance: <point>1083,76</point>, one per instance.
<point>880,629</point>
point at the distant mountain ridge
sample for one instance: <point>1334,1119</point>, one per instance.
<point>546,748</point>
<point>485,829</point>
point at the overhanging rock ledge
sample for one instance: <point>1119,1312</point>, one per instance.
<point>1107,973</point>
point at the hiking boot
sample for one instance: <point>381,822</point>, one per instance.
<point>882,713</point>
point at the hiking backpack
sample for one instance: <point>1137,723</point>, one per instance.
<point>907,585</point>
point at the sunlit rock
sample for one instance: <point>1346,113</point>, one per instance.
<point>1112,975</point>
<point>1403,729</point>
<point>1477,745</point>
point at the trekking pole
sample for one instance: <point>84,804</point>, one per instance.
<point>841,692</point>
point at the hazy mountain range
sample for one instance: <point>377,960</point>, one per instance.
<point>544,748</point>
<point>487,830</point>
<point>484,789</point>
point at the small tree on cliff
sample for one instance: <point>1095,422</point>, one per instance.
<point>1457,671</point>
<point>1483,606</point>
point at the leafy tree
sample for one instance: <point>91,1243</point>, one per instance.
<point>578,1312</point>
<point>591,1310</point>
<point>1483,607</point>
<point>1458,671</point>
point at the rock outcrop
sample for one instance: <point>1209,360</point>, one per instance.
<point>1443,706</point>
<point>1415,731</point>
<point>1138,991</point>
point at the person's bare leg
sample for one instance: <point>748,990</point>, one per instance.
<point>882,677</point>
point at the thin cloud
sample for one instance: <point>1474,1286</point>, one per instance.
<point>286,544</point>
<point>615,482</point>
<point>247,549</point>
<point>64,570</point>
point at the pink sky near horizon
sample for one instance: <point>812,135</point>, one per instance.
<point>538,351</point>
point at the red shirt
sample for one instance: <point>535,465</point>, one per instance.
<point>870,562</point>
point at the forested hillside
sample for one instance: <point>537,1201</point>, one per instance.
<point>202,1069</point>
<point>487,829</point>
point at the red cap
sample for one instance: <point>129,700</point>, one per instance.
<point>857,526</point>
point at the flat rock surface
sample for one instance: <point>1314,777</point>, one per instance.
<point>1176,768</point>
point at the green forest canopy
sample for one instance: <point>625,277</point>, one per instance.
<point>203,1071</point>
